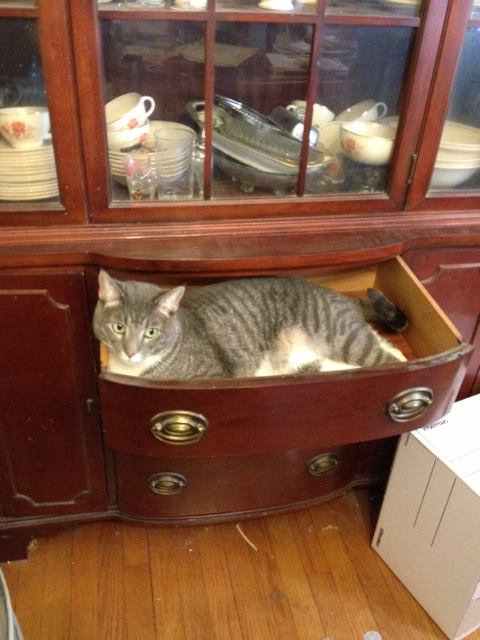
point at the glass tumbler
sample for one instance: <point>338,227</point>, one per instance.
<point>174,147</point>
<point>140,174</point>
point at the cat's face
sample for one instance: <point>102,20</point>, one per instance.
<point>134,319</point>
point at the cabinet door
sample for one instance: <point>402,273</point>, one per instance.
<point>41,174</point>
<point>50,447</point>
<point>322,112</point>
<point>448,168</point>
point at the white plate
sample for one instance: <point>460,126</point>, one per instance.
<point>25,197</point>
<point>7,187</point>
<point>6,149</point>
<point>29,177</point>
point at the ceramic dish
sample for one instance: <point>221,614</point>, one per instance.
<point>450,177</point>
<point>249,178</point>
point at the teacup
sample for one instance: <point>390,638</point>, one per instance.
<point>25,127</point>
<point>128,111</point>
<point>368,110</point>
<point>367,142</point>
<point>127,137</point>
<point>321,114</point>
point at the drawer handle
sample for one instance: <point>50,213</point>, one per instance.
<point>322,464</point>
<point>409,404</point>
<point>167,484</point>
<point>178,427</point>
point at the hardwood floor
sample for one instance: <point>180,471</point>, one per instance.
<point>308,575</point>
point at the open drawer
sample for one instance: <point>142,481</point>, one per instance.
<point>277,414</point>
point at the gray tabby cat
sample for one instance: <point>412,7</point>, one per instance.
<point>239,328</point>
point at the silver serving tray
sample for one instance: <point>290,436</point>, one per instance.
<point>250,142</point>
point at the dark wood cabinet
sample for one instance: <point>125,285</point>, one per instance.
<point>51,448</point>
<point>76,443</point>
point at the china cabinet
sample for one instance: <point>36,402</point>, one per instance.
<point>190,141</point>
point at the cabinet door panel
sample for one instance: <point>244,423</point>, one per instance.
<point>50,450</point>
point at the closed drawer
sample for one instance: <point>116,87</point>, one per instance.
<point>176,488</point>
<point>273,415</point>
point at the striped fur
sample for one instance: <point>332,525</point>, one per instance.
<point>238,328</point>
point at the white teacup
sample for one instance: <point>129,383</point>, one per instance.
<point>128,111</point>
<point>321,114</point>
<point>367,142</point>
<point>25,127</point>
<point>367,110</point>
<point>127,137</point>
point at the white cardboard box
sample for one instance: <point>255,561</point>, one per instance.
<point>428,531</point>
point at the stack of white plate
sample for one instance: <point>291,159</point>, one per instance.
<point>27,174</point>
<point>170,166</point>
<point>458,155</point>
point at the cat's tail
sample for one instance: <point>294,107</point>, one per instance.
<point>378,308</point>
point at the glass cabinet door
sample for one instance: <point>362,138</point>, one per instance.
<point>253,102</point>
<point>38,119</point>
<point>457,164</point>
<point>448,166</point>
<point>27,162</point>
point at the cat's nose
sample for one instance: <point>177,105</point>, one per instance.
<point>130,351</point>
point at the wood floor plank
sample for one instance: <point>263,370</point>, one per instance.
<point>295,581</point>
<point>140,617</point>
<point>244,566</point>
<point>55,614</point>
<point>273,592</point>
<point>85,579</point>
<point>29,599</point>
<point>111,590</point>
<point>42,598</point>
<point>343,570</point>
<point>335,617</point>
<point>166,588</point>
<point>219,590</point>
<point>390,615</point>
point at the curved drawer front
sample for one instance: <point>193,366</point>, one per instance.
<point>275,415</point>
<point>175,488</point>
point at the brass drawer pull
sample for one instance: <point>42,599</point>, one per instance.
<point>167,483</point>
<point>409,404</point>
<point>178,427</point>
<point>322,464</point>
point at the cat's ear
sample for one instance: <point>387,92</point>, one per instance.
<point>169,301</point>
<point>109,291</point>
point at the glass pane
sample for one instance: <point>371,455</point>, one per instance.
<point>476,9</point>
<point>153,70</point>
<point>263,67</point>
<point>374,7</point>
<point>458,158</point>
<point>27,163</point>
<point>362,72</point>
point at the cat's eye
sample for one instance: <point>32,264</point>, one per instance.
<point>151,333</point>
<point>118,327</point>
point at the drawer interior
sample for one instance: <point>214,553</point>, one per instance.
<point>430,332</point>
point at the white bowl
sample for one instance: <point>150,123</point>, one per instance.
<point>367,142</point>
<point>460,137</point>
<point>447,177</point>
<point>127,137</point>
<point>366,110</point>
